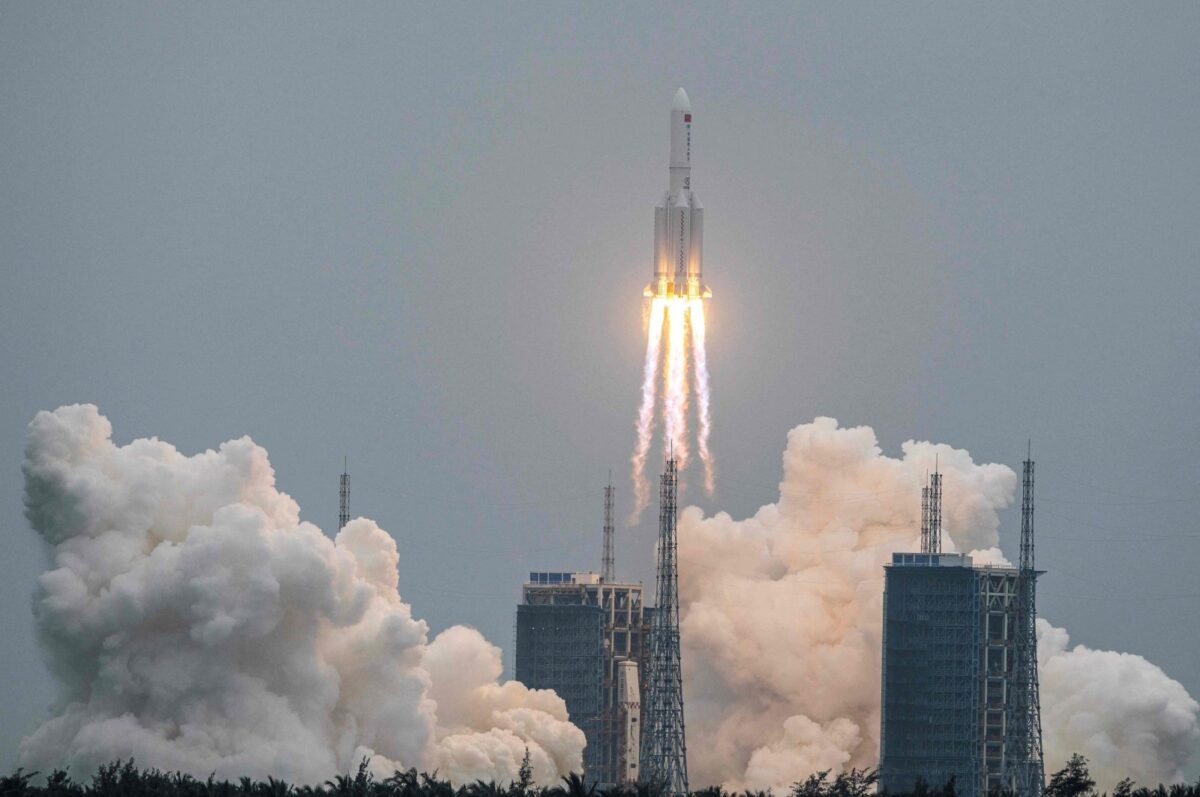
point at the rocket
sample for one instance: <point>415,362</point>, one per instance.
<point>679,219</point>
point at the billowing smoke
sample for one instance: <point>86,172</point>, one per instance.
<point>195,623</point>
<point>782,611</point>
<point>1118,709</point>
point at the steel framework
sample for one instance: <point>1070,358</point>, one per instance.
<point>960,681</point>
<point>925,516</point>
<point>931,514</point>
<point>560,646</point>
<point>608,564</point>
<point>344,496</point>
<point>1027,775</point>
<point>935,512</point>
<point>664,747</point>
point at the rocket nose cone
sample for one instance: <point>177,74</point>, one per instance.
<point>681,102</point>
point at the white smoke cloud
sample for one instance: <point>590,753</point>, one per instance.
<point>782,611</point>
<point>1122,712</point>
<point>195,623</point>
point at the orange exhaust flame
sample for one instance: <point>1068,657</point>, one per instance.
<point>683,319</point>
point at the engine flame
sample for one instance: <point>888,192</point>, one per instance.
<point>683,319</point>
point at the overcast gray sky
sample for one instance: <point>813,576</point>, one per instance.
<point>417,236</point>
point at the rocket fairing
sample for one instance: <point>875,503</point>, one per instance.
<point>679,219</point>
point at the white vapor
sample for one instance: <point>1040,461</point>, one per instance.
<point>782,611</point>
<point>645,421</point>
<point>1122,712</point>
<point>195,623</point>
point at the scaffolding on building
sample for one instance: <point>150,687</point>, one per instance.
<point>930,685</point>
<point>560,647</point>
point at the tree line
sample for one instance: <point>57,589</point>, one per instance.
<point>126,779</point>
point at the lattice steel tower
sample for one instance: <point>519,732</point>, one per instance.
<point>935,512</point>
<point>1028,764</point>
<point>664,748</point>
<point>344,497</point>
<point>925,516</point>
<point>931,514</point>
<point>608,564</point>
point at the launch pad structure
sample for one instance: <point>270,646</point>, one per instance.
<point>959,679</point>
<point>586,635</point>
<point>585,638</point>
<point>613,660</point>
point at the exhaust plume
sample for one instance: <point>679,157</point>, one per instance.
<point>782,613</point>
<point>195,623</point>
<point>675,381</point>
<point>645,420</point>
<point>703,413</point>
<point>684,333</point>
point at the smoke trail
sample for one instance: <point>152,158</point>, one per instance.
<point>195,623</point>
<point>774,695</point>
<point>700,358</point>
<point>645,422</point>
<point>675,383</point>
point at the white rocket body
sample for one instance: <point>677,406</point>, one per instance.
<point>679,219</point>
<point>629,703</point>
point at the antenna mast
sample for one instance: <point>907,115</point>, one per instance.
<point>608,564</point>
<point>344,496</point>
<point>935,511</point>
<point>925,515</point>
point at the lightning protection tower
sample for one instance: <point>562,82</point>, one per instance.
<point>925,516</point>
<point>935,511</point>
<point>1028,775</point>
<point>664,747</point>
<point>344,496</point>
<point>608,564</point>
<point>931,513</point>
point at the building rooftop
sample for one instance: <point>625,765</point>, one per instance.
<point>545,578</point>
<point>930,560</point>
